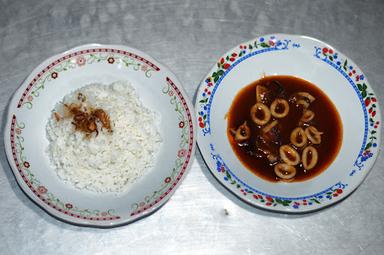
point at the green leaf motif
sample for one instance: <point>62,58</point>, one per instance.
<point>264,45</point>
<point>315,200</point>
<point>203,101</point>
<point>283,202</point>
<point>359,86</point>
<point>364,93</point>
<point>215,76</point>
<point>369,145</point>
<point>228,175</point>
<point>330,58</point>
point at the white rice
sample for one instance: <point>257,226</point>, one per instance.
<point>108,162</point>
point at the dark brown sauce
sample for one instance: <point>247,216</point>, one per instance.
<point>326,120</point>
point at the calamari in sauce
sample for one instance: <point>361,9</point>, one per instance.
<point>283,128</point>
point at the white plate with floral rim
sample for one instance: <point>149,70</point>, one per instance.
<point>321,64</point>
<point>31,105</point>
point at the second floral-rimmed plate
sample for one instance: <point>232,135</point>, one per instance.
<point>315,61</point>
<point>30,108</point>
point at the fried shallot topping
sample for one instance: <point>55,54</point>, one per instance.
<point>85,118</point>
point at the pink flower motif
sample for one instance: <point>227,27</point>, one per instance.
<point>181,153</point>
<point>30,98</point>
<point>111,60</point>
<point>18,131</point>
<point>42,190</point>
<point>54,75</point>
<point>170,93</point>
<point>80,61</point>
<point>167,180</point>
<point>144,68</point>
<point>26,164</point>
<point>69,206</point>
<point>181,124</point>
<point>104,214</point>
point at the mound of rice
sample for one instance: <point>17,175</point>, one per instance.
<point>108,162</point>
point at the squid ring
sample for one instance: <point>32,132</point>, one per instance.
<point>285,171</point>
<point>313,134</point>
<point>279,103</point>
<point>307,96</point>
<point>289,155</point>
<point>307,116</point>
<point>303,102</point>
<point>268,127</point>
<point>242,133</point>
<point>298,137</point>
<point>260,93</point>
<point>265,114</point>
<point>313,158</point>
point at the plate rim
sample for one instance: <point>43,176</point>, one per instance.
<point>124,219</point>
<point>203,148</point>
